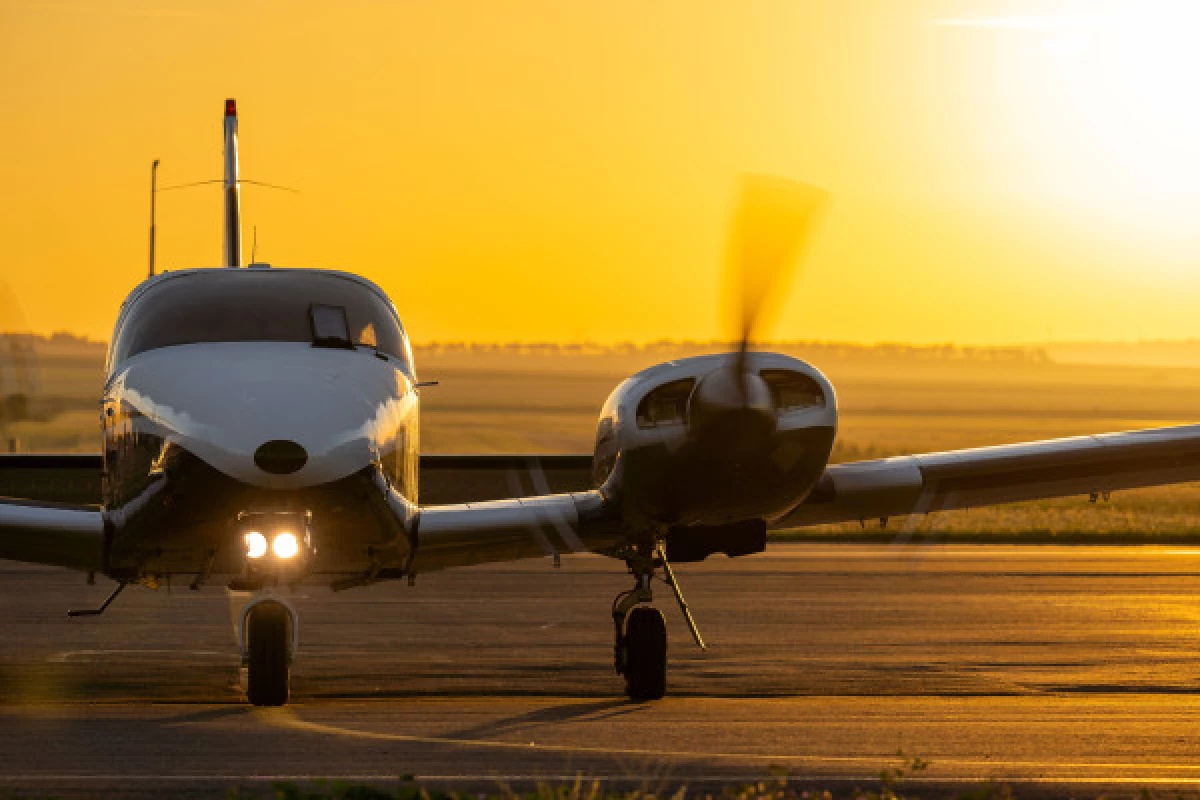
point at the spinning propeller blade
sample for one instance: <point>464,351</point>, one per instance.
<point>772,228</point>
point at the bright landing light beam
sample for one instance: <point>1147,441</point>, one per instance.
<point>256,545</point>
<point>285,545</point>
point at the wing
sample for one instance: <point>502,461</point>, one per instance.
<point>508,530</point>
<point>447,479</point>
<point>460,529</point>
<point>54,518</point>
<point>1004,474</point>
<point>58,535</point>
<point>52,477</point>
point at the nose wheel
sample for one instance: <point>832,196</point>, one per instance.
<point>643,654</point>
<point>640,649</point>
<point>268,639</point>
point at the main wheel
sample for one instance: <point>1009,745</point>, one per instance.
<point>645,654</point>
<point>268,650</point>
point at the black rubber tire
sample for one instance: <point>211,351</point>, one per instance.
<point>268,650</point>
<point>645,654</point>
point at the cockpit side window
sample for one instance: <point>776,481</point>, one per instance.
<point>227,305</point>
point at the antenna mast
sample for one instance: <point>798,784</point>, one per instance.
<point>153,198</point>
<point>233,206</point>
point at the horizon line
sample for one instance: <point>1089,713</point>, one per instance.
<point>714,342</point>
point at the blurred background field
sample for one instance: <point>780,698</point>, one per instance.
<point>894,399</point>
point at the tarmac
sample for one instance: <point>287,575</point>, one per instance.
<point>1058,670</point>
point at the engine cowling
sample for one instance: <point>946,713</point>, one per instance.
<point>702,444</point>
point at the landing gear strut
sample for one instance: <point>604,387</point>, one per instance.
<point>640,647</point>
<point>268,638</point>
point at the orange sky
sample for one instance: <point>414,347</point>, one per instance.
<point>1000,171</point>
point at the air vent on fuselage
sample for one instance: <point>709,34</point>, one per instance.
<point>792,390</point>
<point>280,457</point>
<point>666,405</point>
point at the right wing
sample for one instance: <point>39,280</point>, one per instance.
<point>1011,473</point>
<point>47,509</point>
<point>54,534</point>
<point>51,520</point>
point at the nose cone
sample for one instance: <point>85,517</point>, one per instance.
<point>280,457</point>
<point>732,409</point>
<point>279,415</point>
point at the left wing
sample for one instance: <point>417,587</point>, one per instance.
<point>1003,474</point>
<point>485,508</point>
<point>509,530</point>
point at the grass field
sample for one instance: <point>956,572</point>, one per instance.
<point>893,401</point>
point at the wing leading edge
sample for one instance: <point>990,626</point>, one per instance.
<point>509,530</point>
<point>57,535</point>
<point>59,523</point>
<point>983,476</point>
<point>470,533</point>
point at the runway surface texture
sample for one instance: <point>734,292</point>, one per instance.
<point>1040,666</point>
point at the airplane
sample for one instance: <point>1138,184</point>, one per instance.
<point>260,431</point>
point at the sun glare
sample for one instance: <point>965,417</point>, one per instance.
<point>1122,81</point>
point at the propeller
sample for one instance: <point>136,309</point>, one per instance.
<point>772,227</point>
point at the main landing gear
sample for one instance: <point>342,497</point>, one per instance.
<point>640,648</point>
<point>268,640</point>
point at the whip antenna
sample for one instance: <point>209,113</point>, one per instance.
<point>153,198</point>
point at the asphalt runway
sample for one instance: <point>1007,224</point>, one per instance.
<point>1055,668</point>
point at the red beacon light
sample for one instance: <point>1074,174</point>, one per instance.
<point>231,107</point>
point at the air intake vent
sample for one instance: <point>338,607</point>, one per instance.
<point>280,457</point>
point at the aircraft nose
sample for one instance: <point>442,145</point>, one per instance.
<point>276,415</point>
<point>280,457</point>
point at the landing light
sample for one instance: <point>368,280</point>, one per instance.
<point>285,545</point>
<point>256,545</point>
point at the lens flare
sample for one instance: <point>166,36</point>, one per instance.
<point>256,544</point>
<point>285,545</point>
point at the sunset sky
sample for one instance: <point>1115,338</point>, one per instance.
<point>565,169</point>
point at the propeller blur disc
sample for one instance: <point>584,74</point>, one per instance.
<point>772,228</point>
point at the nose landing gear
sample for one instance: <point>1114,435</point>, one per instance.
<point>268,639</point>
<point>640,648</point>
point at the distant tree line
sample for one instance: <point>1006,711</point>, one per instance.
<point>28,344</point>
<point>58,337</point>
<point>671,349</point>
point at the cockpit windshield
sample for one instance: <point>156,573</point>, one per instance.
<point>259,305</point>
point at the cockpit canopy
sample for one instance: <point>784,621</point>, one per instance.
<point>258,305</point>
